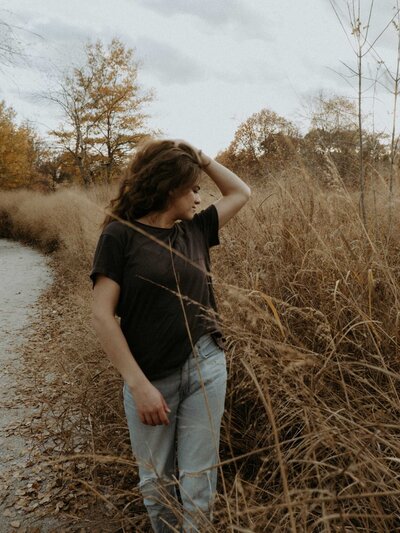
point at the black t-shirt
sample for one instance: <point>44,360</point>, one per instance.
<point>162,295</point>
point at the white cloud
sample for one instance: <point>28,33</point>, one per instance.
<point>234,15</point>
<point>168,63</point>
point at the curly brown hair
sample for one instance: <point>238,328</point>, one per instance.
<point>157,168</point>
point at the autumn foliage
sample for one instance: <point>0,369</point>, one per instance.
<point>267,142</point>
<point>102,103</point>
<point>19,151</point>
<point>263,143</point>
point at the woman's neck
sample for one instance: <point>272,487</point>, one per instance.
<point>158,220</point>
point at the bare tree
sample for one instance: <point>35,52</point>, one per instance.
<point>361,47</point>
<point>392,84</point>
<point>12,46</point>
<point>73,136</point>
<point>9,45</point>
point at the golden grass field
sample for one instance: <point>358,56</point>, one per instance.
<point>310,304</point>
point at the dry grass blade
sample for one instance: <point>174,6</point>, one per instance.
<point>265,397</point>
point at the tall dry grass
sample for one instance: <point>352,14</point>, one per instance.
<point>309,302</point>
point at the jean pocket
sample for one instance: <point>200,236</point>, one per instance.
<point>207,347</point>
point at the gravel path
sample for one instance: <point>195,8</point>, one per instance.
<point>24,274</point>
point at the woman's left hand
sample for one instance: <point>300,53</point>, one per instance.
<point>203,159</point>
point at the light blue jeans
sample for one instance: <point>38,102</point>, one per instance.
<point>196,396</point>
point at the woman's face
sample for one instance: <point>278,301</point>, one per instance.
<point>183,205</point>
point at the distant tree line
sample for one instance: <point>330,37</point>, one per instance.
<point>267,143</point>
<point>103,120</point>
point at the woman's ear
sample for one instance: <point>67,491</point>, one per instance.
<point>170,198</point>
<point>173,193</point>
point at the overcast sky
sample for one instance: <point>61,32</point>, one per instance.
<point>211,63</point>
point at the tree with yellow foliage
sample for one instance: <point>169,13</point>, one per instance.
<point>102,103</point>
<point>19,151</point>
<point>263,143</point>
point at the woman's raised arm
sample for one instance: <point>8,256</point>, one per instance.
<point>235,192</point>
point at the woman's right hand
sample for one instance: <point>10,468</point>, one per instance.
<point>150,405</point>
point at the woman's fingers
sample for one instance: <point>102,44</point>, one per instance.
<point>195,150</point>
<point>158,417</point>
<point>155,418</point>
<point>163,416</point>
<point>145,418</point>
<point>167,409</point>
<point>152,407</point>
<point>163,411</point>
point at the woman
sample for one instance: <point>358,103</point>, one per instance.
<point>154,273</point>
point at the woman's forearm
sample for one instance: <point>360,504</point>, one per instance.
<point>114,344</point>
<point>226,180</point>
<point>150,403</point>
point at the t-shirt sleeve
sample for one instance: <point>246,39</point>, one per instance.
<point>208,222</point>
<point>108,259</point>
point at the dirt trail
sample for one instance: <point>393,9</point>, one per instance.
<point>24,274</point>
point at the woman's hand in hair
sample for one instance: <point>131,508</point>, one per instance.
<point>150,404</point>
<point>203,159</point>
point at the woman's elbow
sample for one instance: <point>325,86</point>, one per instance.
<point>100,317</point>
<point>245,194</point>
